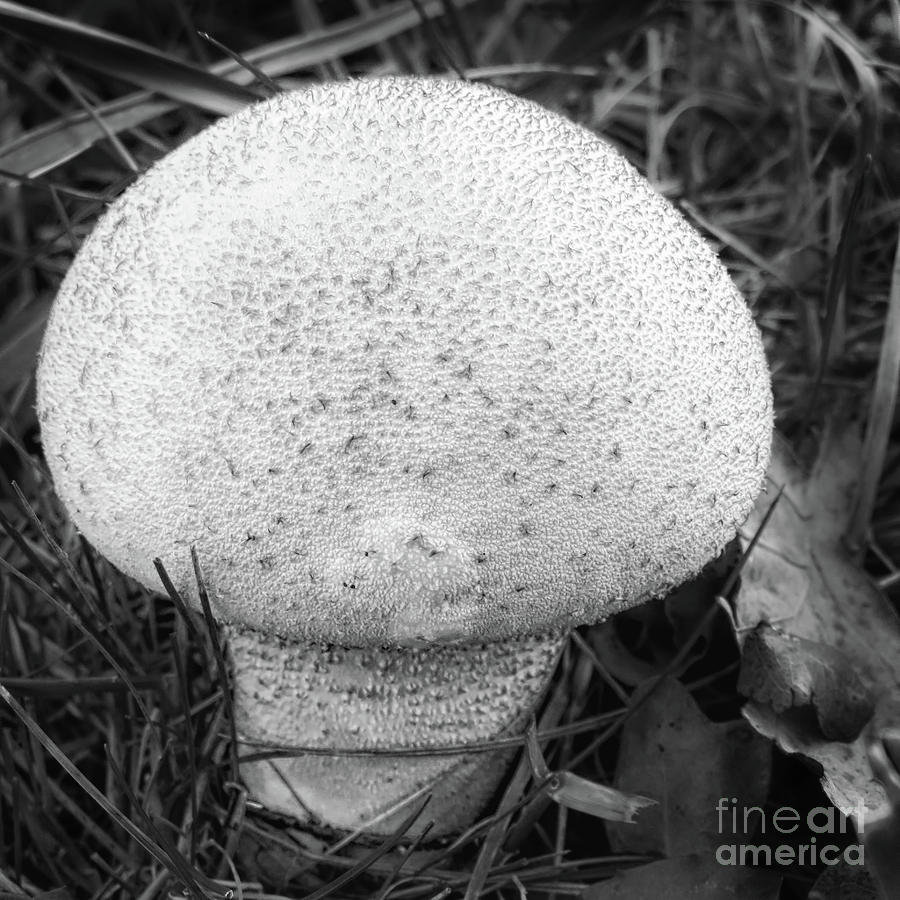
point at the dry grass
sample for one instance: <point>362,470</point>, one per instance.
<point>773,125</point>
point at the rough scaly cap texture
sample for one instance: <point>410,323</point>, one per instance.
<point>407,360</point>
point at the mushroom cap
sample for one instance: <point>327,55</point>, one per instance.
<point>407,360</point>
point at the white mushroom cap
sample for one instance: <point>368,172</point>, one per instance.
<point>406,359</point>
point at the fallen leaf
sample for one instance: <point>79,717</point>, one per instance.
<point>787,672</point>
<point>844,882</point>
<point>802,579</point>
<point>673,754</point>
<point>688,877</point>
<point>882,837</point>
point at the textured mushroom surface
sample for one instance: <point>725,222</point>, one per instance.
<point>415,698</point>
<point>407,360</point>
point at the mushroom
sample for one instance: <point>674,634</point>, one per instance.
<point>428,375</point>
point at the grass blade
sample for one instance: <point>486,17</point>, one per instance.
<point>129,60</point>
<point>50,145</point>
<point>84,783</point>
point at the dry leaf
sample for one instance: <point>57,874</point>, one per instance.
<point>844,882</point>
<point>791,673</point>
<point>575,792</point>
<point>689,877</point>
<point>595,799</point>
<point>801,578</point>
<point>672,753</point>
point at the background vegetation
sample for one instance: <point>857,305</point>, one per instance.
<point>772,125</point>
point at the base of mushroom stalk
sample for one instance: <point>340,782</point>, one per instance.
<point>295,695</point>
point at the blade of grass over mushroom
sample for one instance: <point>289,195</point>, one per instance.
<point>177,599</point>
<point>495,838</point>
<point>129,60</point>
<point>880,419</point>
<point>539,769</point>
<point>523,802</point>
<point>221,668</point>
<point>48,146</point>
<point>520,805</point>
<point>489,746</point>
<point>377,853</point>
<point>424,794</point>
<point>581,726</point>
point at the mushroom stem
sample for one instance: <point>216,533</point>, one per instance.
<point>295,695</point>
